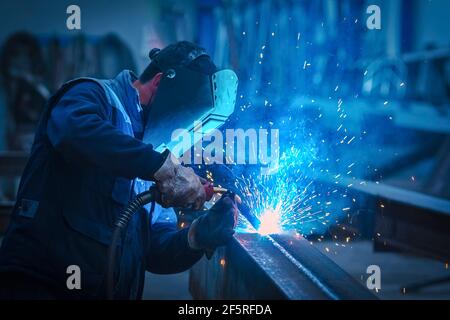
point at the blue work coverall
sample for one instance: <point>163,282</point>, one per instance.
<point>86,163</point>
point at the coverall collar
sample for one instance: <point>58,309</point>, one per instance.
<point>129,97</point>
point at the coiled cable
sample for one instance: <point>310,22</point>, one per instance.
<point>122,221</point>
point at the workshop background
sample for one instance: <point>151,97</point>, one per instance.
<point>368,111</point>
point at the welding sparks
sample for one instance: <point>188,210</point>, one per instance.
<point>270,221</point>
<point>307,190</point>
<point>275,198</point>
<point>288,199</point>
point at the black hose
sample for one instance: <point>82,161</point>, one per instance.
<point>122,221</point>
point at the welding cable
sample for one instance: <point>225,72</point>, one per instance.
<point>121,223</point>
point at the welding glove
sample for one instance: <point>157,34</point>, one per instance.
<point>216,227</point>
<point>178,186</point>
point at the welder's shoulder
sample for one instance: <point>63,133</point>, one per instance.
<point>85,96</point>
<point>86,90</point>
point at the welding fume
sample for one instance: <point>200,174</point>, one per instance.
<point>101,184</point>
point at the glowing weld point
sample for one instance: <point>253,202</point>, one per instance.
<point>270,221</point>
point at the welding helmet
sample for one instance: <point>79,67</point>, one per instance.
<point>187,95</point>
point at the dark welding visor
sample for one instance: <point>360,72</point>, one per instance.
<point>186,98</point>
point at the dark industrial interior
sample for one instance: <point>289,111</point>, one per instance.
<point>364,126</point>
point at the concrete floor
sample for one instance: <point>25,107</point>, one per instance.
<point>397,270</point>
<point>167,287</point>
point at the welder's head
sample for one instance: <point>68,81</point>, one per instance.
<point>188,88</point>
<point>180,54</point>
<point>182,66</point>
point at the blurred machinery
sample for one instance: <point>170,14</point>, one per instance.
<point>22,75</point>
<point>33,67</point>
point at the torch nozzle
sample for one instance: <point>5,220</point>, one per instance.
<point>220,190</point>
<point>211,190</point>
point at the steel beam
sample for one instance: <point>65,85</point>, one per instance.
<point>415,229</point>
<point>272,267</point>
<point>404,220</point>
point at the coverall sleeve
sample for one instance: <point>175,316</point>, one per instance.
<point>168,251</point>
<point>80,129</point>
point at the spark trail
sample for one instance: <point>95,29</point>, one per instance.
<point>292,198</point>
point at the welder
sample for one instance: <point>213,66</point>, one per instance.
<point>87,162</point>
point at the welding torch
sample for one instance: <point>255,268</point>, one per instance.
<point>122,221</point>
<point>211,190</point>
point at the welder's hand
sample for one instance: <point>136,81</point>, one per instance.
<point>179,186</point>
<point>216,227</point>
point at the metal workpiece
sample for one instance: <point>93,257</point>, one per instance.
<point>327,275</point>
<point>253,266</point>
